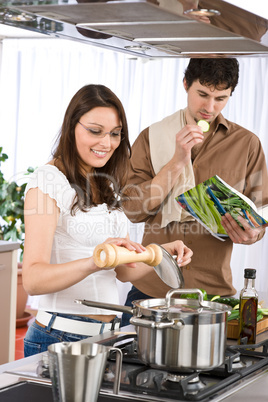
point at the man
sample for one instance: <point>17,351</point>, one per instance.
<point>174,155</point>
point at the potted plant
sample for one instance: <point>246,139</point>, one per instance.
<point>12,222</point>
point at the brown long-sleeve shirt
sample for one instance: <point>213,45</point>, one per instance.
<point>233,153</point>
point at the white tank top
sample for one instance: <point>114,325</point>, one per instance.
<point>76,237</point>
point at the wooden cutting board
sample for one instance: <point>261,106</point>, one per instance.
<point>233,328</point>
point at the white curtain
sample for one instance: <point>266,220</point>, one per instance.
<point>39,77</point>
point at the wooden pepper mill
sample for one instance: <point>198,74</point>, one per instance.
<point>109,255</point>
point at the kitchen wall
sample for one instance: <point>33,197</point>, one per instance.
<point>39,77</point>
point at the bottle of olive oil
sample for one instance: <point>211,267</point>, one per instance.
<point>248,309</point>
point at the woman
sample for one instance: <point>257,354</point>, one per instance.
<point>72,204</point>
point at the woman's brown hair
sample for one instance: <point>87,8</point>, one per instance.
<point>102,185</point>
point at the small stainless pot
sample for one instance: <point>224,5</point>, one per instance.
<point>181,334</point>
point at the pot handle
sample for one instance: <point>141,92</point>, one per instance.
<point>141,322</point>
<point>171,292</point>
<point>118,368</point>
<point>107,306</point>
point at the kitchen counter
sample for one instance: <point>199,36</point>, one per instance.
<point>8,297</point>
<point>255,388</point>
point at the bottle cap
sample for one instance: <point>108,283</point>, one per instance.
<point>250,273</point>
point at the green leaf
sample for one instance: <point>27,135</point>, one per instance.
<point>12,206</point>
<point>194,295</point>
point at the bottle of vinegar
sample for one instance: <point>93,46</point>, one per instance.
<point>248,309</point>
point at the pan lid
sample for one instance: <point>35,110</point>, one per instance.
<point>174,307</point>
<point>169,271</point>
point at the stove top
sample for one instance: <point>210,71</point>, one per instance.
<point>244,371</point>
<point>142,382</point>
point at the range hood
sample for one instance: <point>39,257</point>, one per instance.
<point>150,29</point>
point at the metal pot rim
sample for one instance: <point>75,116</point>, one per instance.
<point>157,308</point>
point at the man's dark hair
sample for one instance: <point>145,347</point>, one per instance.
<point>220,73</point>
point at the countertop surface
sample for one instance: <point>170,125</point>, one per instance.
<point>255,389</point>
<point>8,246</point>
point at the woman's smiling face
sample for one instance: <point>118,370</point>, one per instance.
<point>97,136</point>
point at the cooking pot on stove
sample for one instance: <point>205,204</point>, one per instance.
<point>177,334</point>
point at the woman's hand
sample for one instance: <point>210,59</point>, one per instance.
<point>145,278</point>
<point>179,249</point>
<point>125,242</point>
<point>129,245</point>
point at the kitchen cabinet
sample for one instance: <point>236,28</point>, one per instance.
<point>8,299</point>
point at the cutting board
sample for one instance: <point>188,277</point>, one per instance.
<point>233,328</point>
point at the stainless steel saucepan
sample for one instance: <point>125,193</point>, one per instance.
<point>177,334</point>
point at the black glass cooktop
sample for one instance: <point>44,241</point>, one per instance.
<point>25,391</point>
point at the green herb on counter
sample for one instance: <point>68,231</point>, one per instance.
<point>230,301</point>
<point>235,314</point>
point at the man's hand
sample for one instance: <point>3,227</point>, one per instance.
<point>186,139</point>
<point>248,235</point>
<point>165,180</point>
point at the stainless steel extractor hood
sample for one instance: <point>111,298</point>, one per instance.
<point>152,28</point>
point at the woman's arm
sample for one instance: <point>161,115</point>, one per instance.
<point>146,190</point>
<point>41,215</point>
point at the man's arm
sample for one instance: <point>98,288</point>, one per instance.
<point>146,190</point>
<point>141,174</point>
<point>256,188</point>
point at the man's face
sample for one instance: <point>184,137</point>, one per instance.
<point>205,102</point>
